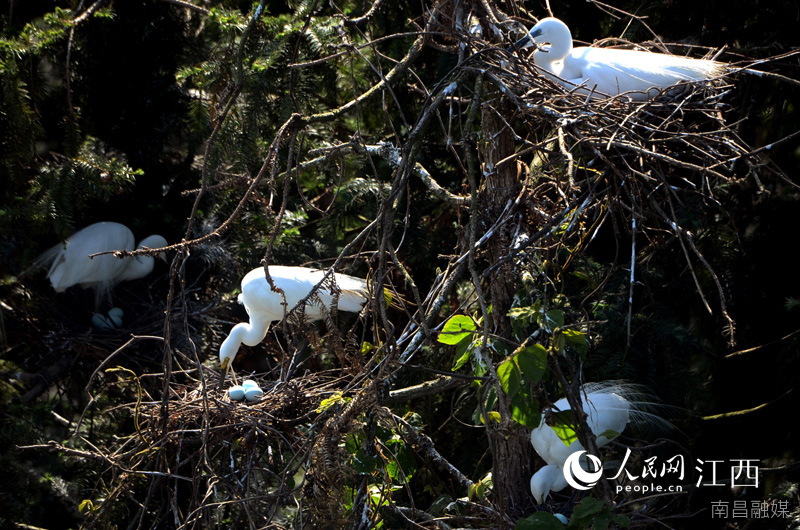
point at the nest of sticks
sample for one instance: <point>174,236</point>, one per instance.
<point>639,165</point>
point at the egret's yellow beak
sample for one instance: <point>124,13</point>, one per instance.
<point>225,364</point>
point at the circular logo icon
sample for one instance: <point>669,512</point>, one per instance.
<point>579,478</point>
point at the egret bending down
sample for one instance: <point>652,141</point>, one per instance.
<point>641,75</point>
<point>70,263</point>
<point>609,408</point>
<point>265,306</point>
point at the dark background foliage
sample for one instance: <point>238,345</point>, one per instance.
<point>109,120</point>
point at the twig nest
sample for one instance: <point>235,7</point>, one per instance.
<point>253,393</point>
<point>236,393</point>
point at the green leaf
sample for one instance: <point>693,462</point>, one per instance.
<point>566,433</point>
<point>462,355</point>
<point>327,403</point>
<point>577,341</point>
<point>456,329</point>
<point>532,360</point>
<point>563,423</point>
<point>552,320</point>
<point>525,411</point>
<point>539,521</point>
<point>510,377</point>
<point>558,343</point>
<point>440,504</point>
<point>521,313</point>
<point>404,464</point>
<point>609,434</point>
<point>489,402</point>
<point>594,512</point>
<point>476,490</point>
<point>363,463</point>
<point>588,507</point>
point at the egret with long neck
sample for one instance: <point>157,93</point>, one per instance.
<point>603,72</point>
<point>265,306</point>
<point>70,264</point>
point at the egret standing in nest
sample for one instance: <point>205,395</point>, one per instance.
<point>265,306</point>
<point>70,263</point>
<point>609,408</point>
<point>601,72</point>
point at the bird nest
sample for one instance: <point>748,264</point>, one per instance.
<point>647,166</point>
<point>223,460</point>
<point>683,129</point>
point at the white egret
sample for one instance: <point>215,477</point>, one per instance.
<point>70,263</point>
<point>609,408</point>
<point>602,72</point>
<point>265,306</point>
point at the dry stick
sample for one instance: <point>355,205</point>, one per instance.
<point>413,53</point>
<point>365,17</point>
<point>233,96</point>
<point>402,174</point>
<point>188,5</point>
<point>98,456</point>
<point>100,367</point>
<point>207,156</point>
<point>684,235</point>
<point>762,346</point>
<point>426,445</point>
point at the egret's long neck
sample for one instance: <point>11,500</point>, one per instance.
<point>138,267</point>
<point>250,333</point>
<point>548,478</point>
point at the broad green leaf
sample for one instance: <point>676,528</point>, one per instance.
<point>404,463</point>
<point>476,490</point>
<point>532,361</point>
<point>440,504</point>
<point>577,340</point>
<point>553,320</point>
<point>463,352</point>
<point>539,521</point>
<point>509,376</point>
<point>566,433</point>
<point>563,423</point>
<point>524,411</point>
<point>456,329</point>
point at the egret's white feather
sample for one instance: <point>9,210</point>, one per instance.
<point>265,306</point>
<point>640,75</point>
<point>69,262</point>
<point>610,406</point>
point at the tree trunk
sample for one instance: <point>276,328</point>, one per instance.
<point>511,448</point>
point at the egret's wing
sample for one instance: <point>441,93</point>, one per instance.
<point>614,71</point>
